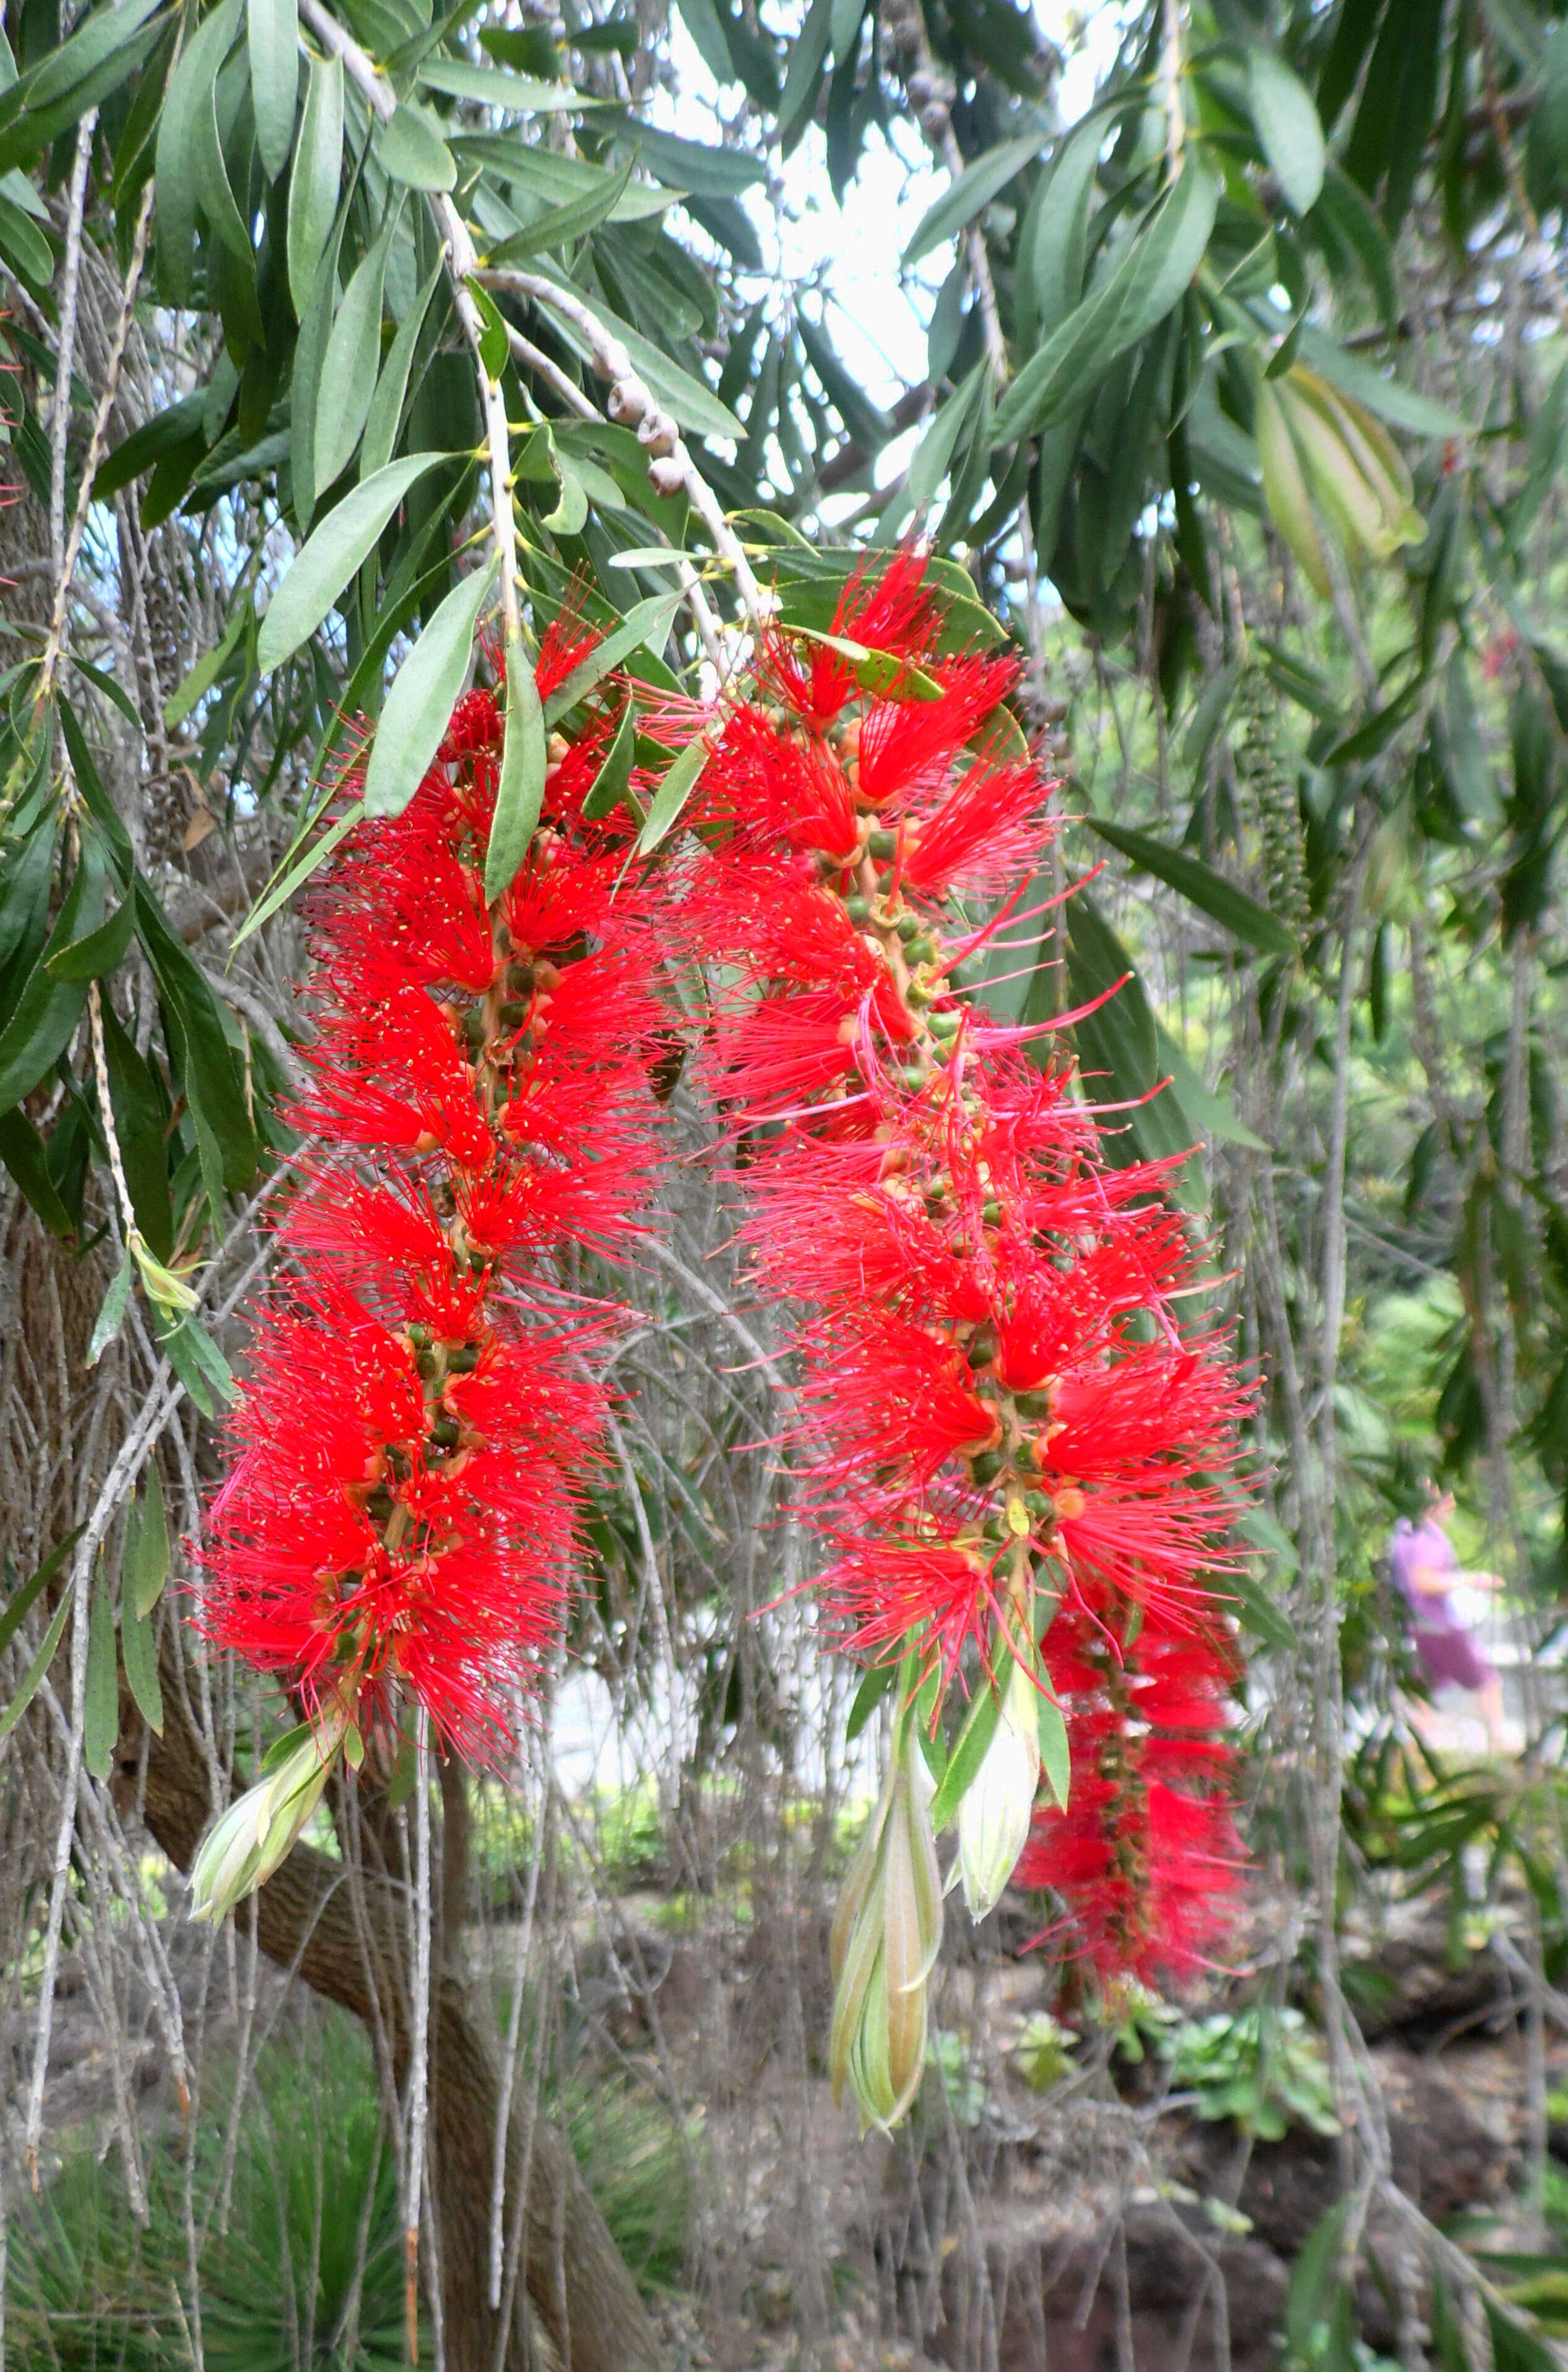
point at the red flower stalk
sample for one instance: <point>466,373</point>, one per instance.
<point>1002,1412</point>
<point>418,1420</point>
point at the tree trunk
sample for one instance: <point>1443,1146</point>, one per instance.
<point>576,2279</point>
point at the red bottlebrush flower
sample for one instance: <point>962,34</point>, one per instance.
<point>1145,1860</point>
<point>1002,1412</point>
<point>417,1425</point>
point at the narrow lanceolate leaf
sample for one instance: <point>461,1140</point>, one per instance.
<point>422,698</point>
<point>970,194</point>
<point>190,90</point>
<point>332,556</point>
<point>32,1679</point>
<point>559,225</point>
<point>1288,129</point>
<point>1208,891</point>
<point>520,793</point>
<point>1055,1756</point>
<point>313,189</point>
<point>391,387</point>
<point>1144,286</point>
<point>679,783</point>
<point>272,26</point>
<point>48,1009</point>
<point>353,357</point>
<point>146,1548</point>
<point>111,1312</point>
<point>138,1646</point>
<point>612,784</point>
<point>970,1747</point>
<point>20,1605</point>
<point>648,625</point>
<point>100,1716</point>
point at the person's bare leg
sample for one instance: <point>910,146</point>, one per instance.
<point>1490,1699</point>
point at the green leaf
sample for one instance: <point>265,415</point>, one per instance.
<point>495,345</point>
<point>391,388</point>
<point>272,28</point>
<point>1348,212</point>
<point>138,1646</point>
<point>22,1151</point>
<point>1055,1755</point>
<point>21,1604</point>
<point>48,1010</point>
<point>214,1087</point>
<point>112,691</point>
<point>412,153</point>
<point>25,245</point>
<point>975,1736</point>
<point>189,94</point>
<point>140,1121</point>
<point>521,795</point>
<point>1255,1610</point>
<point>678,782</point>
<point>612,784</point>
<point>1150,280</point>
<point>353,357</point>
<point>1400,405</point>
<point>803,77</point>
<point>559,225</point>
<point>282,889</point>
<point>208,667</point>
<point>423,695</point>
<point>146,1548</point>
<point>111,1311</point>
<point>647,624</point>
<point>970,194</point>
<point>101,1712</point>
<point>873,1688</point>
<point>198,1364</point>
<point>333,556</point>
<point>1213,1114</point>
<point>1208,891</point>
<point>32,1679</point>
<point>510,94</point>
<point>691,165</point>
<point>98,951</point>
<point>934,450</point>
<point>1288,129</point>
<point>313,186</point>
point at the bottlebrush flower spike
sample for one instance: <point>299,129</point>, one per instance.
<point>1144,1858</point>
<point>399,1524</point>
<point>1003,1413</point>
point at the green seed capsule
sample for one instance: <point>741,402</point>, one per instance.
<point>463,1361</point>
<point>882,843</point>
<point>858,909</point>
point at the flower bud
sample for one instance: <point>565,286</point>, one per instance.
<point>260,1827</point>
<point>994,1819</point>
<point>886,1934</point>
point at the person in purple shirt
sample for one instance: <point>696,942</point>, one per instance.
<point>1427,1573</point>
